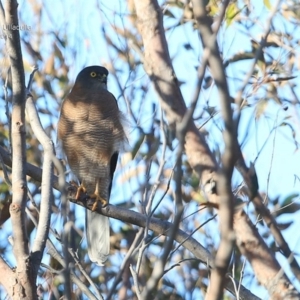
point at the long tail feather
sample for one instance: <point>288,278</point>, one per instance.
<point>97,233</point>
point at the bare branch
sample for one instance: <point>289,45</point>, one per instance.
<point>66,223</point>
<point>31,170</point>
<point>129,253</point>
<point>81,268</point>
<point>252,247</point>
<point>159,267</point>
<point>229,157</point>
<point>82,286</point>
<point>136,283</point>
<point>24,274</point>
<point>52,251</point>
<point>74,278</point>
<point>156,225</point>
<point>46,193</point>
<point>7,278</point>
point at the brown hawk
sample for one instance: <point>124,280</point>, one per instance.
<point>91,134</point>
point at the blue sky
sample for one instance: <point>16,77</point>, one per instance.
<point>82,23</point>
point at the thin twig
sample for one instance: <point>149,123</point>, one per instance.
<point>258,53</point>
<point>192,233</point>
<point>129,253</point>
<point>52,251</point>
<point>136,283</point>
<point>88,278</point>
<point>66,228</point>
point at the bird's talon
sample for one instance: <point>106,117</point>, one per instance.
<point>103,202</point>
<point>80,190</point>
<point>94,206</point>
<point>98,199</point>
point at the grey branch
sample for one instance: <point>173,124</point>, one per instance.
<point>46,192</point>
<point>229,157</point>
<point>24,286</point>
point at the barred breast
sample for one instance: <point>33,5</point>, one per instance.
<point>91,131</point>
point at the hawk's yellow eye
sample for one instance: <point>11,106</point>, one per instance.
<point>93,74</point>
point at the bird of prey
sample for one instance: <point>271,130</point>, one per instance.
<point>91,134</point>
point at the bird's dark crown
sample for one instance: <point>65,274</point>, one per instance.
<point>93,73</point>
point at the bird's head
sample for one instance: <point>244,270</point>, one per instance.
<point>93,76</point>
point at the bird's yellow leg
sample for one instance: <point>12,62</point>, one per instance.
<point>98,198</point>
<point>80,190</point>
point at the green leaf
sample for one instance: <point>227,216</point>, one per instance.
<point>168,13</point>
<point>289,206</point>
<point>231,12</point>
<point>289,199</point>
<point>284,225</point>
<point>137,145</point>
<point>261,108</point>
<point>213,8</point>
<point>267,4</point>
